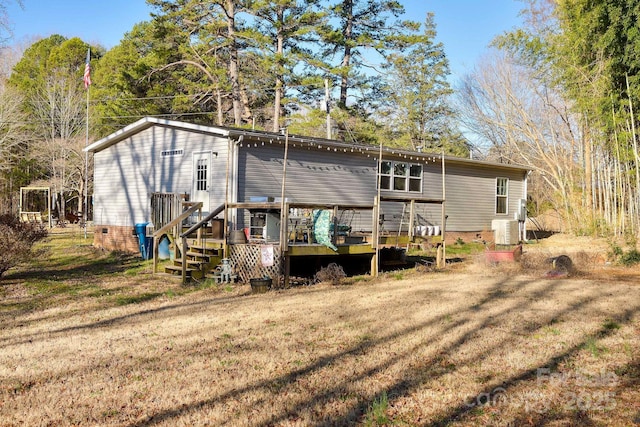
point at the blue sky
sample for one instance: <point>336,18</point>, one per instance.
<point>465,27</point>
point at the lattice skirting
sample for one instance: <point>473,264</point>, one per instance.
<point>247,261</point>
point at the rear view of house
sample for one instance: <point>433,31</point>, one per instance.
<point>258,175</point>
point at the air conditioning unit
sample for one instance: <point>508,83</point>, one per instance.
<point>505,231</point>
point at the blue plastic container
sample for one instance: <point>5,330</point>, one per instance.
<point>145,243</point>
<point>163,248</point>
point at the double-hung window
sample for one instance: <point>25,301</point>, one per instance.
<point>502,190</point>
<point>401,176</point>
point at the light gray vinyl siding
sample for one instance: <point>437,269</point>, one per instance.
<point>470,198</point>
<point>319,176</point>
<point>316,176</point>
<point>312,176</point>
<point>128,172</point>
<point>471,195</point>
<point>425,213</point>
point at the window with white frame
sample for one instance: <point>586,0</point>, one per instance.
<point>502,190</point>
<point>401,176</point>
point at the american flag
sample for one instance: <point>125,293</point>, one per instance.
<point>87,71</point>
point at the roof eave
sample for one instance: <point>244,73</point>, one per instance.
<point>146,123</point>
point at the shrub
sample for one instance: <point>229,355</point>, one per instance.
<point>16,241</point>
<point>630,258</point>
<point>615,252</point>
<point>332,273</point>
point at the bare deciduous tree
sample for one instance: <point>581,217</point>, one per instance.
<point>60,116</point>
<point>5,23</point>
<point>12,130</point>
<point>526,122</point>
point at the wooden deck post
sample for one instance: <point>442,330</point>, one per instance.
<point>376,237</point>
<point>155,255</point>
<point>199,232</point>
<point>284,242</point>
<point>442,259</point>
<point>334,238</point>
<point>287,269</point>
<point>284,209</point>
<point>183,250</point>
<point>412,213</point>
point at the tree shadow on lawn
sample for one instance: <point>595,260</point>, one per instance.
<point>94,264</point>
<point>52,278</point>
<point>414,376</point>
<point>411,380</point>
<point>139,316</point>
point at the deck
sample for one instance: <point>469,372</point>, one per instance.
<point>301,236</point>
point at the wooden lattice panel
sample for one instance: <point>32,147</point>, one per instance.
<point>246,260</point>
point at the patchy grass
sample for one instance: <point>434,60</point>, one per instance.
<point>70,271</point>
<point>83,342</point>
<point>465,249</point>
<point>377,413</point>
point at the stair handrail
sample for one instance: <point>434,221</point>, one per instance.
<point>204,220</point>
<point>184,215</point>
<point>164,230</point>
<point>193,228</point>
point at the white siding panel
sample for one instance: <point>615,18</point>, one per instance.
<point>128,172</point>
<point>471,196</point>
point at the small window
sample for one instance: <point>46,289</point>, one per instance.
<point>502,190</point>
<point>401,176</point>
<point>385,176</point>
<point>415,178</point>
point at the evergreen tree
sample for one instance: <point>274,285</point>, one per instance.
<point>281,34</point>
<point>131,81</point>
<point>355,28</point>
<point>417,109</point>
<point>209,38</point>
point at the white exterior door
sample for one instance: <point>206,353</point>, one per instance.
<point>202,180</point>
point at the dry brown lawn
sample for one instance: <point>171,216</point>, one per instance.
<point>471,345</point>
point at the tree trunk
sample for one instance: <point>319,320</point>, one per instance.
<point>234,73</point>
<point>279,83</point>
<point>346,59</point>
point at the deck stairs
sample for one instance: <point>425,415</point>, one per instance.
<point>202,256</point>
<point>197,252</point>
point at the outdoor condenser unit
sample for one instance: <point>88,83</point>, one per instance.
<point>505,231</point>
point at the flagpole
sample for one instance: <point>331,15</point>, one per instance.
<point>87,84</point>
<point>86,172</point>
